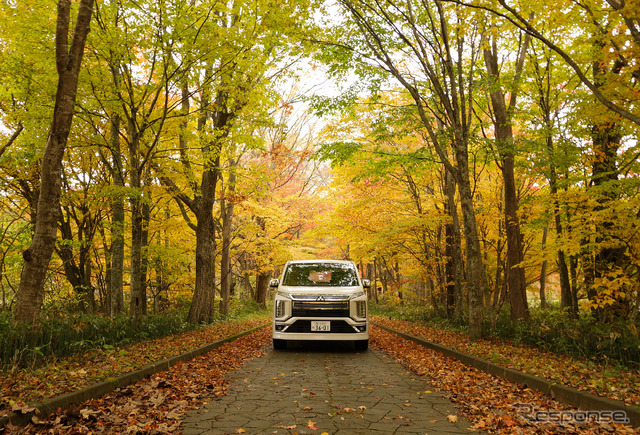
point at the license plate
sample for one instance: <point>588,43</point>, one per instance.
<point>317,326</point>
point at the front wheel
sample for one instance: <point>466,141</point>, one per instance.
<point>279,344</point>
<point>361,345</point>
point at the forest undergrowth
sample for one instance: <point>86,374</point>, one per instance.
<point>602,378</point>
<point>159,403</point>
<point>21,386</point>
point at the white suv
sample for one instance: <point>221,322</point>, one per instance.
<point>320,300</point>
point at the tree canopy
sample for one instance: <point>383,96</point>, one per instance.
<point>472,157</point>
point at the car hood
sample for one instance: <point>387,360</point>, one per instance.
<point>303,291</point>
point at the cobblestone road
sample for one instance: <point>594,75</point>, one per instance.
<point>326,388</point>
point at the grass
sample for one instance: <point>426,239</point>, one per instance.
<point>62,334</point>
<point>60,375</point>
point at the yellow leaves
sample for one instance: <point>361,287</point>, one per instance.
<point>614,286</point>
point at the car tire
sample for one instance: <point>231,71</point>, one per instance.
<point>361,345</point>
<point>279,344</point>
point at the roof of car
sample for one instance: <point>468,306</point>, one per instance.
<point>322,261</point>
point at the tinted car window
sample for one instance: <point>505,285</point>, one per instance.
<point>320,275</point>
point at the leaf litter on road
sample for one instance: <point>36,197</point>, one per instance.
<point>598,378</point>
<point>157,404</point>
<point>490,403</point>
<point>18,387</point>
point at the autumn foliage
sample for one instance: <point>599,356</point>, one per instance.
<point>476,159</point>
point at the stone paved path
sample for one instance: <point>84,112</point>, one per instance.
<point>329,387</point>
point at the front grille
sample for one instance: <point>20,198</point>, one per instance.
<point>320,309</point>
<point>337,327</point>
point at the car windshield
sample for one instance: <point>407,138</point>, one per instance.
<point>320,275</point>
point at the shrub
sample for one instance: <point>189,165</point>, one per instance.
<point>557,331</point>
<point>549,329</point>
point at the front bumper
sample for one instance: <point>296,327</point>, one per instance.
<point>341,329</point>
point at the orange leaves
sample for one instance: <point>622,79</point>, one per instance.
<point>582,374</point>
<point>158,404</point>
<point>489,402</point>
<point>74,373</point>
<point>312,425</point>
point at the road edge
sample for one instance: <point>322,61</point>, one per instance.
<point>569,395</point>
<point>63,401</point>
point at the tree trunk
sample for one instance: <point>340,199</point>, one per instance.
<point>543,271</point>
<point>136,279</point>
<point>202,305</point>
<point>475,267</point>
<point>227,210</point>
<point>30,294</point>
<point>116,281</point>
<point>566,299</point>
<point>262,287</point>
<point>516,278</point>
<point>77,265</point>
<point>454,265</point>
<point>145,211</point>
<point>607,137</point>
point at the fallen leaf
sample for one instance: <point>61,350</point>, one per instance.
<point>22,408</point>
<point>86,413</point>
<point>452,418</point>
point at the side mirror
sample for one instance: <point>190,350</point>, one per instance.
<point>274,282</point>
<point>366,283</point>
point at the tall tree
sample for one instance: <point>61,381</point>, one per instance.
<point>601,16</point>
<point>68,63</point>
<point>505,143</point>
<point>548,100</point>
<point>441,47</point>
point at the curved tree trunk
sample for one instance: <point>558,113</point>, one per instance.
<point>37,257</point>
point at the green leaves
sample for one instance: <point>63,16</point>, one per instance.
<point>338,152</point>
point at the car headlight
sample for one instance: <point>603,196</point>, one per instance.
<point>280,308</point>
<point>357,294</point>
<point>361,308</point>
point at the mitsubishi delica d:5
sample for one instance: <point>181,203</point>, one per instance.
<point>320,300</point>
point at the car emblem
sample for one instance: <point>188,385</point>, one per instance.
<point>320,299</point>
